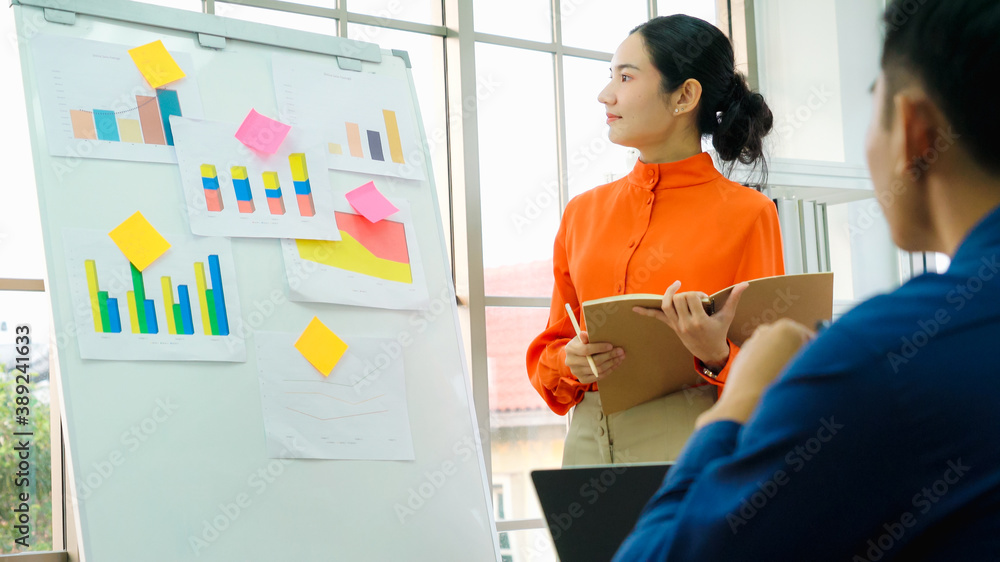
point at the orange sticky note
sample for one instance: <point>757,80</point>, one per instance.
<point>139,241</point>
<point>320,346</point>
<point>156,64</point>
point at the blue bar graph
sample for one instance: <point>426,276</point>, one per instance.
<point>242,188</point>
<point>115,316</point>
<point>151,317</point>
<point>217,295</point>
<point>302,187</point>
<point>375,145</point>
<point>185,302</point>
<point>273,193</point>
<point>107,126</point>
<point>169,105</point>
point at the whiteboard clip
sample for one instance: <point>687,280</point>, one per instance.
<point>403,55</point>
<point>60,16</point>
<point>346,63</point>
<point>212,41</point>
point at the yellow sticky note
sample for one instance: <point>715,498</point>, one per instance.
<point>156,64</point>
<point>139,241</point>
<point>320,346</point>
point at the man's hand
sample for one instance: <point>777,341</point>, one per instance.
<point>606,356</point>
<point>760,361</point>
<point>703,335</point>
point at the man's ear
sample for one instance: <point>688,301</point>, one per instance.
<point>916,131</point>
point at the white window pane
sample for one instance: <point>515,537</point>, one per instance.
<point>533,545</point>
<point>600,25</point>
<point>524,19</point>
<point>518,168</point>
<point>524,434</point>
<point>421,11</point>
<point>704,9</point>
<point>592,159</point>
<point>31,309</point>
<point>21,254</point>
<point>327,26</point>
<point>427,59</point>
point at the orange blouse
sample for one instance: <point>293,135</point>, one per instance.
<point>661,223</point>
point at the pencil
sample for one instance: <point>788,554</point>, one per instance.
<point>576,326</point>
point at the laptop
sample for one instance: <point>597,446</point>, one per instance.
<point>590,510</point>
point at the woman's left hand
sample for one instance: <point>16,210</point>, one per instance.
<point>703,335</point>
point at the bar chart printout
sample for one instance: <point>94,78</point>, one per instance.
<point>373,264</point>
<point>366,119</point>
<point>231,190</point>
<point>92,94</point>
<point>179,308</point>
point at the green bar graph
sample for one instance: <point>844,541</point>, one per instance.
<point>178,321</point>
<point>102,299</point>
<point>211,312</point>
<point>140,298</point>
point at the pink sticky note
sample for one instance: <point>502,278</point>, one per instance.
<point>262,133</point>
<point>368,201</point>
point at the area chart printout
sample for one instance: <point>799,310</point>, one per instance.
<point>183,307</point>
<point>233,190</point>
<point>359,412</point>
<point>96,104</point>
<point>374,264</point>
<point>367,120</point>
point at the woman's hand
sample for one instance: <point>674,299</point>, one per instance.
<point>761,359</point>
<point>606,356</point>
<point>703,335</point>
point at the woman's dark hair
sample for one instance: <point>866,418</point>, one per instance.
<point>682,47</point>
<point>952,47</point>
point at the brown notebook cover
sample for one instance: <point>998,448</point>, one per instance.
<point>657,363</point>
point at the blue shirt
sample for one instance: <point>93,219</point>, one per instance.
<point>878,442</point>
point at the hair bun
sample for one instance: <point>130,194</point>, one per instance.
<point>744,120</point>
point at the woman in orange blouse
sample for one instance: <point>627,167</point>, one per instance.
<point>674,223</point>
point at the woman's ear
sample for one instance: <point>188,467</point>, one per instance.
<point>687,96</point>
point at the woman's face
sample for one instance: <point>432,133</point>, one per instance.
<point>639,113</point>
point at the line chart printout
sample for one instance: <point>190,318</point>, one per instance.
<point>374,264</point>
<point>183,307</point>
<point>233,190</point>
<point>96,104</point>
<point>359,412</point>
<point>367,119</point>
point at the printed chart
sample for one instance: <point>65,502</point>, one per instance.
<point>232,190</point>
<point>96,103</point>
<point>358,412</point>
<point>367,120</point>
<point>374,264</point>
<point>182,307</point>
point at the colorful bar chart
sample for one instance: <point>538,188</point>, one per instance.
<point>241,184</point>
<point>142,312</point>
<point>375,150</point>
<point>303,190</point>
<point>210,182</point>
<point>272,190</point>
<point>151,127</point>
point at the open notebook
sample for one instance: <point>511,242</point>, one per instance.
<point>657,363</point>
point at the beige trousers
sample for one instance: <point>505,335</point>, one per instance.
<point>652,432</point>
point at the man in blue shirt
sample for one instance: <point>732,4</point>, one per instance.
<point>879,440</point>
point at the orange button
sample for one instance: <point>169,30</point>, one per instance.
<point>619,288</point>
<point>631,244</point>
<point>649,201</point>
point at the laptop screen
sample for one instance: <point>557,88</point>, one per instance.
<point>590,510</point>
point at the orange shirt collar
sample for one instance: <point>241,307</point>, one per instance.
<point>695,170</point>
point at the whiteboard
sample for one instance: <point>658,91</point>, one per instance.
<point>168,459</point>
